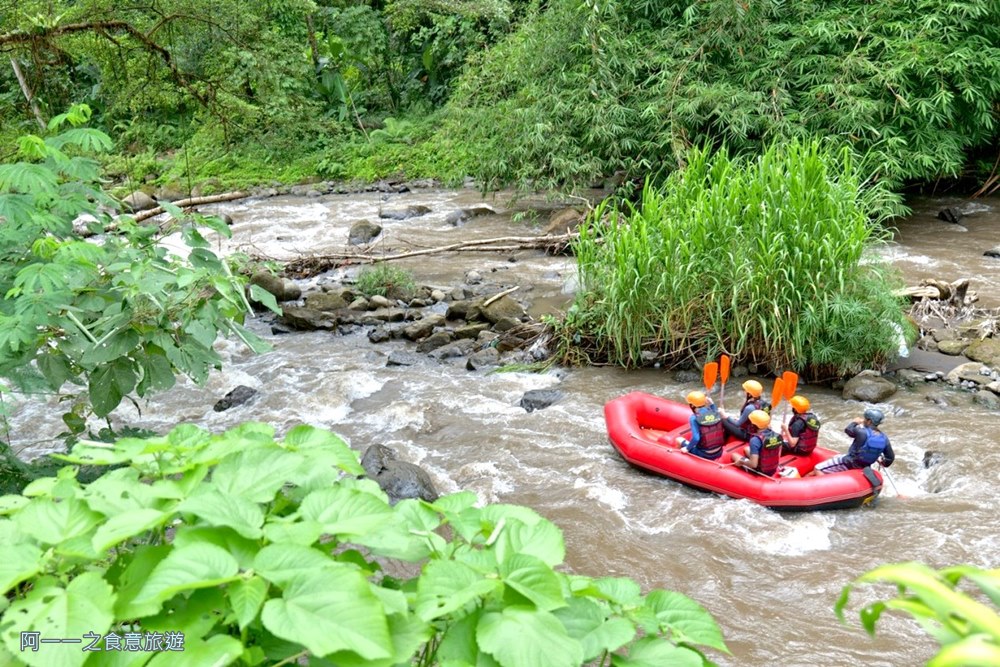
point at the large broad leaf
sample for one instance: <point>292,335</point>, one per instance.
<point>119,491</point>
<point>196,614</point>
<point>129,576</point>
<point>18,562</point>
<point>110,348</point>
<point>345,511</point>
<point>53,522</point>
<point>246,597</point>
<point>109,383</point>
<point>304,437</point>
<point>543,540</point>
<point>123,526</point>
<point>687,620</point>
<point>219,509</point>
<point>331,610</point>
<point>243,549</point>
<point>188,568</point>
<point>446,586</point>
<point>533,579</point>
<point>588,622</point>
<point>408,633</point>
<point>85,605</point>
<point>217,651</point>
<point>654,652</point>
<point>522,637</point>
<point>282,563</point>
<point>28,178</point>
<point>256,474</point>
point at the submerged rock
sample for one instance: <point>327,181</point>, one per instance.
<point>399,479</point>
<point>238,396</point>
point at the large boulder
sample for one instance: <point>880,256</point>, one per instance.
<point>238,396</point>
<point>282,288</point>
<point>972,371</point>
<point>501,308</point>
<point>139,201</point>
<point>564,221</point>
<point>363,232</point>
<point>986,351</point>
<point>538,399</point>
<point>399,479</point>
<point>868,387</point>
<point>406,213</point>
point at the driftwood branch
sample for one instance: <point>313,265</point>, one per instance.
<point>500,295</point>
<point>312,265</point>
<point>190,202</point>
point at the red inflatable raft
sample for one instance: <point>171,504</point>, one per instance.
<point>644,429</point>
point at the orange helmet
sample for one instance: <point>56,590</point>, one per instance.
<point>800,403</point>
<point>760,419</point>
<point>697,399</point>
<point>753,388</point>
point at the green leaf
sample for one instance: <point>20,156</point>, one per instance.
<point>129,575</point>
<point>619,589</point>
<point>282,563</point>
<point>188,568</point>
<point>219,509</point>
<point>56,369</point>
<point>85,605</point>
<point>197,614</point>
<point>588,622</point>
<point>408,634</point>
<point>346,511</point>
<point>447,586</point>
<point>123,526</point>
<point>533,579</point>
<point>687,619</point>
<point>543,540</point>
<point>244,550</point>
<point>12,503</point>
<point>53,522</point>
<point>109,384</point>
<point>528,638</point>
<point>246,597</point>
<point>655,652</point>
<point>256,474</point>
<point>157,373</point>
<point>27,178</point>
<point>331,610</point>
<point>217,650</point>
<point>304,438</point>
<point>302,533</point>
<point>110,349</point>
<point>262,296</point>
<point>18,562</point>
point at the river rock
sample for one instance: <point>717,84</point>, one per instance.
<point>471,330</point>
<point>329,301</point>
<point>972,371</point>
<point>868,387</point>
<point>238,396</point>
<point>139,201</point>
<point>434,341</point>
<point>953,347</point>
<point>952,215</point>
<point>473,277</point>
<point>405,213</point>
<point>281,288</point>
<point>993,252</point>
<point>399,358</point>
<point>379,335</point>
<point>399,479</point>
<point>453,350</point>
<point>359,304</point>
<point>539,399</point>
<point>423,327</point>
<point>564,221</point>
<point>987,399</point>
<point>308,319</point>
<point>501,308</point>
<point>363,232</point>
<point>944,334</point>
<point>932,458</point>
<point>986,351</point>
<point>943,398</point>
<point>488,357</point>
<point>506,324</point>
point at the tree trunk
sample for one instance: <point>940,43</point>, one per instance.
<point>27,93</point>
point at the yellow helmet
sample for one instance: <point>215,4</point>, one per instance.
<point>753,388</point>
<point>800,403</point>
<point>697,399</point>
<point>760,419</point>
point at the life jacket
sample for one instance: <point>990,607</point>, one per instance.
<point>872,449</point>
<point>770,451</point>
<point>758,404</point>
<point>713,435</point>
<point>809,436</point>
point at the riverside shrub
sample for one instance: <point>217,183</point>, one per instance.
<point>264,551</point>
<point>763,258</point>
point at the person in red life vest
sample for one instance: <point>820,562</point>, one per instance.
<point>764,451</point>
<point>802,431</point>
<point>741,428</point>
<point>707,434</point>
<point>870,445</point>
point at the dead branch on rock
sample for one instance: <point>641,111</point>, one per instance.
<point>191,202</point>
<point>304,267</point>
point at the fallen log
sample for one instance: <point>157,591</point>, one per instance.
<point>191,202</point>
<point>302,267</point>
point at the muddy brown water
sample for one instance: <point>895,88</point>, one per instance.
<point>770,579</point>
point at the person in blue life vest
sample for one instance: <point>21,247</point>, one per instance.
<point>802,431</point>
<point>707,434</point>
<point>764,449</point>
<point>740,427</point>
<point>870,445</point>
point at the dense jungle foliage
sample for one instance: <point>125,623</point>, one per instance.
<point>558,93</point>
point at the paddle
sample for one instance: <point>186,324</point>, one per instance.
<point>777,393</point>
<point>709,375</point>
<point>885,471</point>
<point>723,378</point>
<point>791,383</point>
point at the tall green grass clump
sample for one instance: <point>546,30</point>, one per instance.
<point>386,280</point>
<point>763,259</point>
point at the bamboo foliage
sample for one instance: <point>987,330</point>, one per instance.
<point>765,259</point>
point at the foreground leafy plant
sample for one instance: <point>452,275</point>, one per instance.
<point>262,551</point>
<point>967,629</point>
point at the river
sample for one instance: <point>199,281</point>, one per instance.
<point>770,579</point>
